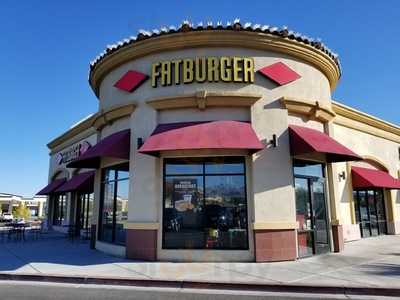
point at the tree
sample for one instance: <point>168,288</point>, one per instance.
<point>22,212</point>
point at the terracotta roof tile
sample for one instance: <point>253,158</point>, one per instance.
<point>186,26</point>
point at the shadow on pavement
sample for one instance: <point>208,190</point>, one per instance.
<point>50,248</point>
<point>382,269</point>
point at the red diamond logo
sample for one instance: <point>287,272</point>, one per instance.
<point>279,73</point>
<point>131,81</point>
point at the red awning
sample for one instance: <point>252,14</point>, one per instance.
<point>202,135</point>
<point>116,145</point>
<point>82,182</point>
<point>51,187</point>
<point>310,141</point>
<point>370,178</point>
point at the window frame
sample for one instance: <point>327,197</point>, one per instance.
<point>84,211</point>
<point>115,194</point>
<point>357,211</point>
<point>58,210</point>
<point>203,161</point>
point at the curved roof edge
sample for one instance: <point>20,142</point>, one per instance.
<point>267,39</point>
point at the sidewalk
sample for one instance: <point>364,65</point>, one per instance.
<point>368,263</point>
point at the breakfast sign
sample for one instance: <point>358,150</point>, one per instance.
<point>231,69</point>
<point>184,193</point>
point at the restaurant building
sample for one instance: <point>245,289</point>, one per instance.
<point>222,143</point>
<point>36,204</point>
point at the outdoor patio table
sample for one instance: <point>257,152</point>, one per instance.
<point>18,231</point>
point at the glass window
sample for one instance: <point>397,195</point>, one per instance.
<point>311,212</point>
<point>304,217</point>
<point>205,205</point>
<point>356,207</point>
<point>224,166</point>
<point>371,207</point>
<point>183,166</point>
<point>121,211</point>
<point>85,209</point>
<point>60,209</point>
<point>114,204</point>
<point>307,168</point>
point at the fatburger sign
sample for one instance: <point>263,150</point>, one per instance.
<point>72,153</point>
<point>224,69</point>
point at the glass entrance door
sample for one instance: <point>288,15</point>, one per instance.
<point>370,212</point>
<point>311,211</point>
<point>320,216</point>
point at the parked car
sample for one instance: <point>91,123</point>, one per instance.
<point>7,217</point>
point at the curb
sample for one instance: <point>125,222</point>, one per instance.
<point>181,284</point>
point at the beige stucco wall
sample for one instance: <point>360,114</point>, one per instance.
<point>312,85</point>
<point>305,122</point>
<point>368,145</point>
<point>270,179</point>
<point>209,114</point>
<point>271,201</point>
<point>55,167</point>
<point>57,171</point>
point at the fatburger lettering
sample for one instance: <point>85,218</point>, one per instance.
<point>72,153</point>
<point>202,69</point>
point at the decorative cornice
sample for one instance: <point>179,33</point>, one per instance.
<point>94,123</point>
<point>106,117</point>
<point>313,109</point>
<point>204,99</point>
<point>72,132</point>
<point>214,38</point>
<point>360,121</point>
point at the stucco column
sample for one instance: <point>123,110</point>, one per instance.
<point>50,208</point>
<point>393,222</point>
<point>96,209</point>
<point>334,202</point>
<point>274,220</point>
<point>40,209</point>
<point>144,192</point>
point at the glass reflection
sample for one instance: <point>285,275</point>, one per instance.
<point>207,210</point>
<point>115,195</point>
<point>370,208</point>
<point>85,208</point>
<point>303,217</point>
<point>311,212</point>
<point>60,209</point>
<point>308,169</point>
<point>226,211</point>
<point>121,213</point>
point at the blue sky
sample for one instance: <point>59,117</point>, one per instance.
<point>46,47</point>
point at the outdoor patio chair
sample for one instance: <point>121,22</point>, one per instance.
<point>71,232</point>
<point>86,233</point>
<point>36,230</point>
<point>4,233</point>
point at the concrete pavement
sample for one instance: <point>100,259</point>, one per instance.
<point>373,263</point>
